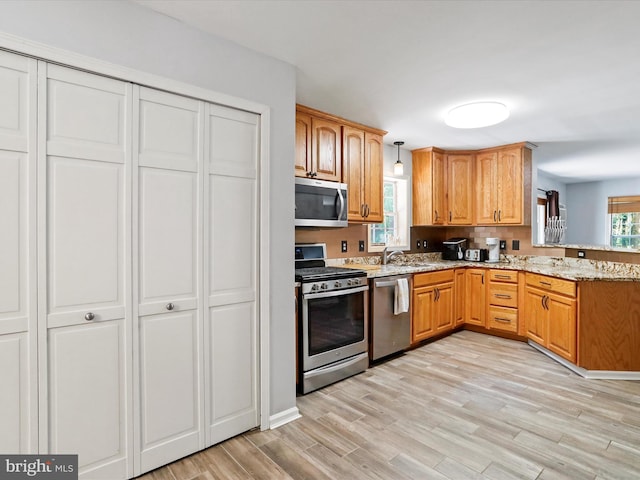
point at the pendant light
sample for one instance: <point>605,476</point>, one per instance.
<point>398,168</point>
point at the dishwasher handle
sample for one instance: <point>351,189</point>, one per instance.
<point>386,283</point>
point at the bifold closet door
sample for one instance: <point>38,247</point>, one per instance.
<point>231,259</point>
<point>168,277</point>
<point>18,316</point>
<point>84,272</point>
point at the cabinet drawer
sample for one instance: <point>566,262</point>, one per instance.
<point>505,295</point>
<point>503,319</point>
<point>556,285</point>
<point>431,278</point>
<point>507,276</point>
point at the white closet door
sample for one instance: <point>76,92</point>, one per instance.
<point>231,231</point>
<point>18,316</point>
<point>168,143</point>
<point>84,308</point>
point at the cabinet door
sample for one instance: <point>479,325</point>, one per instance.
<point>373,177</point>
<point>476,303</point>
<point>509,186</point>
<point>438,189</point>
<point>167,273</point>
<point>460,189</point>
<point>18,321</point>
<point>486,194</point>
<point>422,313</point>
<point>443,318</point>
<point>562,326</point>
<point>459,301</point>
<point>326,151</point>
<point>303,145</point>
<point>231,280</point>
<point>353,172</point>
<point>84,308</point>
<point>535,315</point>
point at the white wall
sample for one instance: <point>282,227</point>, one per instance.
<point>587,208</point>
<point>130,35</point>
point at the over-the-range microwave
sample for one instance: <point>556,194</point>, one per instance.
<point>320,203</point>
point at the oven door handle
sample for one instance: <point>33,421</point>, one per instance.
<point>337,293</point>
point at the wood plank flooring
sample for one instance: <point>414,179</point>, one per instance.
<point>469,406</point>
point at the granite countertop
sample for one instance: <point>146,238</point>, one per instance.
<point>567,268</point>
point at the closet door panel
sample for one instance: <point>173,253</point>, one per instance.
<point>18,258</point>
<point>85,301</point>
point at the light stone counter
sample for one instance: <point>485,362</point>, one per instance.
<point>567,268</point>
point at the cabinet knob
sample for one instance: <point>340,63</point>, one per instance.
<point>89,316</point>
<point>170,306</point>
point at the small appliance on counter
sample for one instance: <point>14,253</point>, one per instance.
<point>476,254</point>
<point>454,248</point>
<point>494,249</point>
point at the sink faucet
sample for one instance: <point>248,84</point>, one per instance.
<point>386,256</point>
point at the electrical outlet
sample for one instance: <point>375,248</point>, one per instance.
<point>418,243</point>
<point>515,244</point>
<point>361,246</point>
<point>503,244</point>
<point>425,243</point>
<point>582,254</point>
<point>344,246</point>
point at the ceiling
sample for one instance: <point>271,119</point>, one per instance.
<point>568,70</point>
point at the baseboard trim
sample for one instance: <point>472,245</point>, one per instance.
<point>281,418</point>
<point>583,372</point>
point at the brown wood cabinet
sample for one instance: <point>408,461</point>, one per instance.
<point>432,311</point>
<point>318,146</point>
<point>502,181</point>
<point>460,295</point>
<point>550,314</point>
<point>502,300</point>
<point>476,307</point>
<point>362,172</point>
<point>442,187</point>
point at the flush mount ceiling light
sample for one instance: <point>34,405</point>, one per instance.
<point>398,168</point>
<point>477,115</point>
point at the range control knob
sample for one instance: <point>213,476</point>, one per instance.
<point>356,281</point>
<point>314,287</point>
<point>338,284</point>
<point>324,286</point>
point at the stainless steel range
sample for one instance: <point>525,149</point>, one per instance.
<point>333,322</point>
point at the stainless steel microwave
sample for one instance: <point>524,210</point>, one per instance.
<point>320,203</point>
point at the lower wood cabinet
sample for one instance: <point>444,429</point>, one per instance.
<point>550,314</point>
<point>502,300</point>
<point>475,307</point>
<point>433,299</point>
<point>459,296</point>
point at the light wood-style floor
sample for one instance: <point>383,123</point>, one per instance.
<point>469,406</point>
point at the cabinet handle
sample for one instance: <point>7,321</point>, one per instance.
<point>499,215</point>
<point>503,320</point>
<point>437,292</point>
<point>502,295</point>
<point>506,277</point>
<point>169,306</point>
<point>367,210</point>
<point>436,215</point>
<point>546,284</point>
<point>545,302</point>
<point>482,276</point>
<point>89,316</point>
<point>449,215</point>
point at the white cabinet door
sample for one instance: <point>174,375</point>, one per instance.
<point>18,320</point>
<point>168,145</point>
<point>231,240</point>
<point>84,279</point>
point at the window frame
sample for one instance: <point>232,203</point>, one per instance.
<point>401,214</point>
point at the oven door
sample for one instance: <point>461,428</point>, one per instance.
<point>334,326</point>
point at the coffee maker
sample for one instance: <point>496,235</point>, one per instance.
<point>493,244</point>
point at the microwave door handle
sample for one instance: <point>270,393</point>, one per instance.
<point>341,199</point>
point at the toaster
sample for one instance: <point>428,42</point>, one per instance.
<point>476,254</point>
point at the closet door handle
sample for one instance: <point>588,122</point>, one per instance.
<point>170,306</point>
<point>89,316</point>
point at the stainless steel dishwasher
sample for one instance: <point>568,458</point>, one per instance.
<point>389,333</point>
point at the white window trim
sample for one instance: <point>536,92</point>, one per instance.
<point>403,221</point>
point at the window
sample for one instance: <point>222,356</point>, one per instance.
<point>624,215</point>
<point>394,231</point>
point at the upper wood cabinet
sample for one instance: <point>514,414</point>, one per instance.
<point>442,188</point>
<point>332,148</point>
<point>502,181</point>
<point>429,180</point>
